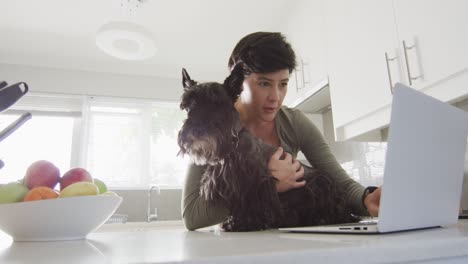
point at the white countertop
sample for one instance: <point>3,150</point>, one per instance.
<point>169,242</point>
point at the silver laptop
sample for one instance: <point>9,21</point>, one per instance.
<point>424,165</point>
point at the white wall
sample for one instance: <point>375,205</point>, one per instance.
<point>50,80</point>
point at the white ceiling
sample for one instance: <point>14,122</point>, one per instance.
<point>196,34</point>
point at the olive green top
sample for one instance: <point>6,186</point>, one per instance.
<point>296,133</point>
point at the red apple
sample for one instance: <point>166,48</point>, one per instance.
<point>42,173</point>
<point>75,175</point>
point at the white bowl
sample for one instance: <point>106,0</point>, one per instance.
<point>57,219</point>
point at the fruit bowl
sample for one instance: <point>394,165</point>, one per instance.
<point>67,218</point>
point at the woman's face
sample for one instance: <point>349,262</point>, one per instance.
<point>263,94</point>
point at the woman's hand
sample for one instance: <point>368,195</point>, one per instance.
<point>287,171</point>
<point>372,202</point>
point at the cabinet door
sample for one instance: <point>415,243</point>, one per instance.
<point>438,30</point>
<point>305,31</point>
<point>359,33</point>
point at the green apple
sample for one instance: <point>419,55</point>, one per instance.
<point>12,192</point>
<point>101,185</point>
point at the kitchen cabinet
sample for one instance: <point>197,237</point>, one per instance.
<point>437,31</point>
<point>304,29</point>
<point>371,45</point>
<point>359,32</point>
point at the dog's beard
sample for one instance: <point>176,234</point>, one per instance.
<point>203,151</point>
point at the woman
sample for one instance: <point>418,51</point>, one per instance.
<point>268,60</point>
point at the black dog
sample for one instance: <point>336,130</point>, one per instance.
<point>237,165</point>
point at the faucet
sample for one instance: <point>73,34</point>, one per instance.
<point>149,215</point>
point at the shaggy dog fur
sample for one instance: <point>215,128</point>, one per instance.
<point>237,165</point>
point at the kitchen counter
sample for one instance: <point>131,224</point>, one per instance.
<point>169,242</point>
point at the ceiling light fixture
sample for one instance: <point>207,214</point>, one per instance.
<point>126,40</point>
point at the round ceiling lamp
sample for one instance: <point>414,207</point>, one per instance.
<point>126,41</point>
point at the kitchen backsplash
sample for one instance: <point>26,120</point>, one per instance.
<point>135,204</point>
<point>363,161</point>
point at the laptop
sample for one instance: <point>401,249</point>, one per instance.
<point>424,165</point>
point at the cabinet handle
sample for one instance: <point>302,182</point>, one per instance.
<point>302,70</point>
<point>408,71</point>
<point>304,82</point>
<point>297,83</point>
<point>387,61</point>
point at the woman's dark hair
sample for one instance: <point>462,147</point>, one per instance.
<point>263,52</point>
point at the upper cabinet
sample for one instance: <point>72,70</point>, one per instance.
<point>359,34</point>
<point>305,31</point>
<point>434,37</point>
<point>371,45</point>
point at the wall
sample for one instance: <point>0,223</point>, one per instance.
<point>49,80</point>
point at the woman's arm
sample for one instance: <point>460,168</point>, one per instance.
<point>196,212</point>
<point>318,153</point>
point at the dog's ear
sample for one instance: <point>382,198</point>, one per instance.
<point>233,82</point>
<point>186,80</point>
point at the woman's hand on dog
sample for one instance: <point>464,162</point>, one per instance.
<point>287,171</point>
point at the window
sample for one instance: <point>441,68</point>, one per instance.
<point>132,143</point>
<point>42,137</point>
<point>48,135</point>
<point>127,143</point>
